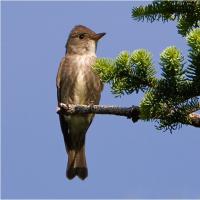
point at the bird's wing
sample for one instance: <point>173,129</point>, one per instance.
<point>58,80</point>
<point>64,80</point>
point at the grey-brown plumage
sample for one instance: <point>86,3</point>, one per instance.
<point>77,83</point>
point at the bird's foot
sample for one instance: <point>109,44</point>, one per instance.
<point>60,106</point>
<point>63,105</point>
<point>91,103</point>
<point>58,109</point>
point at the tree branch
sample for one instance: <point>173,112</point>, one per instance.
<point>71,109</point>
<point>129,112</point>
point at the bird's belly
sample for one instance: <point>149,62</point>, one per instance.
<point>79,123</point>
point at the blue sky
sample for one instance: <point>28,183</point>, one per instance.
<point>125,160</point>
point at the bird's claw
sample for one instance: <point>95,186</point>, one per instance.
<point>91,103</point>
<point>58,109</point>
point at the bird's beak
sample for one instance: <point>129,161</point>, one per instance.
<point>98,36</point>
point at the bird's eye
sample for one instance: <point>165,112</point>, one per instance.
<point>81,36</point>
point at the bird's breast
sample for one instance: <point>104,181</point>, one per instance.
<point>84,78</point>
<point>80,89</point>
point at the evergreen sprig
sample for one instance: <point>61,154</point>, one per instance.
<point>173,75</point>
<point>193,70</point>
<point>104,67</point>
<point>187,13</point>
<point>128,73</point>
<point>170,102</point>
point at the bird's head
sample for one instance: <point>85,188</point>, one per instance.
<point>82,40</point>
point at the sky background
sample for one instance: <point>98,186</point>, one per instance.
<point>125,160</point>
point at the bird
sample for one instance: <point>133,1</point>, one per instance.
<point>78,83</point>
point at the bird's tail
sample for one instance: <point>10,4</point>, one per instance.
<point>77,165</point>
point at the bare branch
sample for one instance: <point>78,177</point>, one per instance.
<point>132,112</point>
<point>71,109</point>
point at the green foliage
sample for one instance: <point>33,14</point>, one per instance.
<point>193,70</point>
<point>169,114</point>
<point>104,67</point>
<point>171,62</point>
<point>170,101</point>
<point>187,13</point>
<point>128,73</point>
<point>173,81</point>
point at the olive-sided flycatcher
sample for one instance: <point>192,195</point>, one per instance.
<point>77,83</point>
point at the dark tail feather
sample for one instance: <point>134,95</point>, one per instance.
<point>77,164</point>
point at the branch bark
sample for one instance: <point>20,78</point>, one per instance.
<point>132,112</point>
